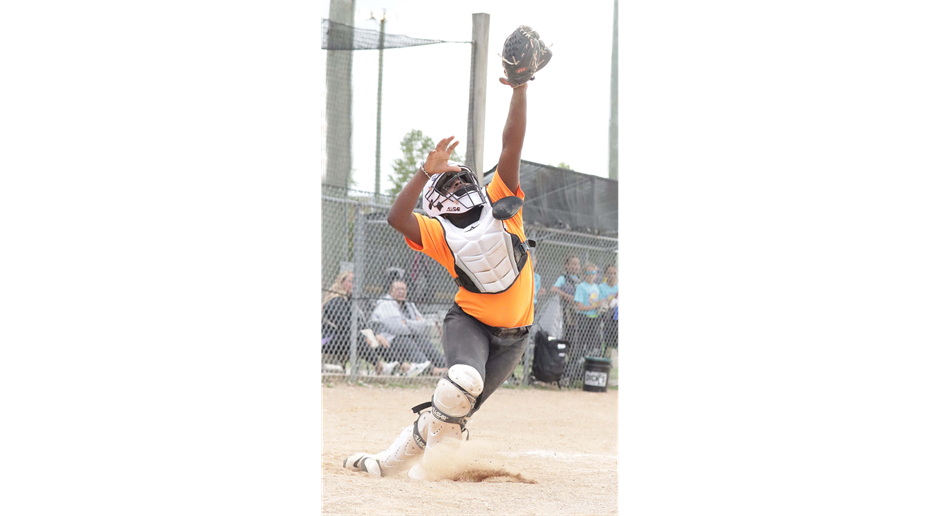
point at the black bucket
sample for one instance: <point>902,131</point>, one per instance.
<point>596,371</point>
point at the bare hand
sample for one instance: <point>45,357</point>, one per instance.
<point>382,340</point>
<point>437,159</point>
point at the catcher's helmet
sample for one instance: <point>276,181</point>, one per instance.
<point>453,192</point>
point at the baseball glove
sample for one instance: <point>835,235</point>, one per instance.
<point>523,55</point>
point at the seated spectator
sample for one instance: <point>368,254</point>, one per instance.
<point>338,307</point>
<point>403,326</point>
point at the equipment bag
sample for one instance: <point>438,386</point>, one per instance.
<point>548,363</point>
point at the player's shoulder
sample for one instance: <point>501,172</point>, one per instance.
<point>497,189</point>
<point>432,234</point>
<point>493,192</point>
<point>429,223</point>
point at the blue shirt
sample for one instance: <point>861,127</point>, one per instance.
<point>607,291</point>
<point>586,294</point>
<point>538,283</point>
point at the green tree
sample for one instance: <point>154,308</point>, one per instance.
<point>564,165</point>
<point>415,147</point>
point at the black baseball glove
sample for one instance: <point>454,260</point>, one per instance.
<point>523,55</point>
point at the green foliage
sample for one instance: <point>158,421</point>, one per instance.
<point>564,165</point>
<point>415,147</point>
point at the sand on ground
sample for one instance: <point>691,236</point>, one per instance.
<point>532,451</point>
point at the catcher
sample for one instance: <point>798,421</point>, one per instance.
<point>478,237</point>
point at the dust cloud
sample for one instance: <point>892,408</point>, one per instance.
<point>470,461</point>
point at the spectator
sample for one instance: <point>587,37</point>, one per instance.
<point>538,279</point>
<point>565,286</point>
<point>587,301</point>
<point>403,326</point>
<point>609,293</point>
<point>608,287</point>
<point>334,331</point>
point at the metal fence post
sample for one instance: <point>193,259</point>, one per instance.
<point>359,228</point>
<point>477,116</point>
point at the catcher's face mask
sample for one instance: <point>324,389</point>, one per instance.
<point>453,193</point>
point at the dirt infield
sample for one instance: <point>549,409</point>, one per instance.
<point>531,452</point>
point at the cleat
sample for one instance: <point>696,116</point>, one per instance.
<point>363,462</point>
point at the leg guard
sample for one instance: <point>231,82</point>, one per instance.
<point>454,398</point>
<point>404,452</point>
<point>407,448</point>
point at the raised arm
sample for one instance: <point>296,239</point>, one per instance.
<point>400,215</point>
<point>513,137</point>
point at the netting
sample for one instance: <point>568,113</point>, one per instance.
<point>361,135</point>
<point>562,198</point>
<point>361,241</point>
<point>339,36</point>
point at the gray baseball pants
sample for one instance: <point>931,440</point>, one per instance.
<point>493,352</point>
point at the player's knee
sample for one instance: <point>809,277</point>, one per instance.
<point>457,391</point>
<point>465,377</point>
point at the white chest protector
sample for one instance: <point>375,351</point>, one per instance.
<point>487,257</point>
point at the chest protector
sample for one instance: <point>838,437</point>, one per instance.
<point>487,257</point>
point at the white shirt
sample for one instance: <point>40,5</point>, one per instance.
<point>394,321</point>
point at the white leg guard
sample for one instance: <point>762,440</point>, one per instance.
<point>404,452</point>
<point>407,448</point>
<point>453,399</point>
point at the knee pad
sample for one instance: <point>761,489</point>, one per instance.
<point>456,393</point>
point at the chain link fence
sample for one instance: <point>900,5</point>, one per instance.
<point>356,239</point>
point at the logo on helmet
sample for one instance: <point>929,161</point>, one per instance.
<point>453,192</point>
